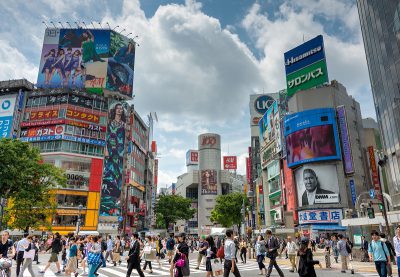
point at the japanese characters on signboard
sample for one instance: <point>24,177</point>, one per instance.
<point>110,202</point>
<point>192,157</point>
<point>374,171</point>
<point>320,216</point>
<point>305,66</point>
<point>248,170</point>
<point>311,136</point>
<point>230,162</point>
<point>40,115</point>
<point>81,115</point>
<point>345,139</point>
<point>43,131</point>
<point>208,182</point>
<point>155,172</point>
<point>317,184</point>
<point>7,107</point>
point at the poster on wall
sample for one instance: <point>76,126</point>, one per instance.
<point>120,65</point>
<point>311,136</point>
<point>317,184</point>
<point>110,203</point>
<point>208,182</point>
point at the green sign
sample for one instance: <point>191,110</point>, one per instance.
<point>308,77</point>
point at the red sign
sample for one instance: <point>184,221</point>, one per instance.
<point>249,177</point>
<point>154,146</point>
<point>230,162</point>
<point>42,123</point>
<point>290,190</point>
<point>88,126</point>
<point>248,170</point>
<point>43,131</point>
<point>260,189</point>
<point>82,116</point>
<point>156,171</point>
<point>208,140</point>
<point>38,115</point>
<point>374,170</point>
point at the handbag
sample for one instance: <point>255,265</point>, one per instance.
<point>93,258</point>
<point>220,253</point>
<point>147,249</point>
<point>181,261</point>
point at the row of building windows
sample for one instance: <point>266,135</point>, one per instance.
<point>69,146</point>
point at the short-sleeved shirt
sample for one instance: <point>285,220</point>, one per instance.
<point>229,249</point>
<point>379,250</point>
<point>73,250</point>
<point>4,247</point>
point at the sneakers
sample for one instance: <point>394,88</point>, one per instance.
<point>343,271</point>
<point>76,274</point>
<point>42,272</point>
<point>57,273</point>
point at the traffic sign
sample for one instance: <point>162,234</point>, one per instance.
<point>120,219</point>
<point>372,193</point>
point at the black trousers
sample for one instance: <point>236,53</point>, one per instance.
<point>272,264</point>
<point>228,267</point>
<point>243,255</point>
<point>20,261</point>
<point>147,263</point>
<point>135,265</point>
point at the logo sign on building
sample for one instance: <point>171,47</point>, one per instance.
<point>81,115</point>
<point>40,115</point>
<point>192,157</point>
<point>311,136</point>
<point>43,131</point>
<point>305,66</point>
<point>374,171</point>
<point>353,191</point>
<point>43,123</point>
<point>320,216</point>
<point>259,105</point>
<point>345,140</point>
<point>230,162</point>
<point>209,141</point>
<point>7,106</point>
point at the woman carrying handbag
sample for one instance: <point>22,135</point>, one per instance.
<point>181,259</point>
<point>149,253</point>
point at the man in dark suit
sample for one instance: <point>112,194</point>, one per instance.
<point>272,252</point>
<point>310,181</point>
<point>134,257</point>
<point>364,249</point>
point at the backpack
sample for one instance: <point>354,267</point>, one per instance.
<point>170,244</point>
<point>262,248</point>
<point>103,245</point>
<point>348,248</point>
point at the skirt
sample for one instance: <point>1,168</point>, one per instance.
<point>116,257</point>
<point>72,264</point>
<point>208,265</point>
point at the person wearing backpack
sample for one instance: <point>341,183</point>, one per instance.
<point>170,247</point>
<point>56,247</point>
<point>392,253</point>
<point>260,253</point>
<point>343,248</point>
<point>378,253</point>
<point>203,246</point>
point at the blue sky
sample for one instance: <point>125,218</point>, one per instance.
<point>199,61</point>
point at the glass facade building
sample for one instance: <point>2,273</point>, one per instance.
<point>380,25</point>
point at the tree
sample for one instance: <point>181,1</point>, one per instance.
<point>27,183</point>
<point>227,210</point>
<point>171,208</point>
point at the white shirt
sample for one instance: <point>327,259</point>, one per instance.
<point>396,244</point>
<point>311,197</point>
<point>291,247</point>
<point>22,245</point>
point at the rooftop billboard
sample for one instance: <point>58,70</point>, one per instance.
<point>311,136</point>
<point>99,60</point>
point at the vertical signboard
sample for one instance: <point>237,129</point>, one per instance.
<point>110,204</point>
<point>374,171</point>
<point>305,66</point>
<point>208,182</point>
<point>248,171</point>
<point>345,140</point>
<point>230,162</point>
<point>156,172</point>
<point>7,106</point>
<point>353,192</point>
<point>261,204</point>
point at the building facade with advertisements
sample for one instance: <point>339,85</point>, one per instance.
<point>204,181</point>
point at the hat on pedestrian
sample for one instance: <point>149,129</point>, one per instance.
<point>305,240</point>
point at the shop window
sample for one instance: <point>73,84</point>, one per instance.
<point>67,220</point>
<point>71,201</point>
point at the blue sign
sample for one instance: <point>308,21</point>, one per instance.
<point>353,192</point>
<point>41,138</point>
<point>120,219</point>
<point>262,103</point>
<point>311,136</point>
<point>372,193</point>
<point>5,126</point>
<point>304,55</point>
<point>85,140</point>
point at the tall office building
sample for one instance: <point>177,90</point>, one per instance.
<point>380,24</point>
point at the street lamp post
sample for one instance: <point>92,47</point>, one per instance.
<point>78,222</point>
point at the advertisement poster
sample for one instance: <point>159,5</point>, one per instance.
<point>270,128</point>
<point>230,162</point>
<point>7,106</point>
<point>43,131</point>
<point>208,182</point>
<point>311,136</point>
<point>121,65</point>
<point>110,202</point>
<point>345,139</point>
<point>192,157</point>
<point>317,184</point>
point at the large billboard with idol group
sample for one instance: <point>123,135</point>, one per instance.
<point>305,66</point>
<point>311,136</point>
<point>99,60</point>
<point>317,184</point>
<point>110,203</point>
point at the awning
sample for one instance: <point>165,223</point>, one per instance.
<point>216,231</point>
<point>325,227</point>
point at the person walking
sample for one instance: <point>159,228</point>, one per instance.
<point>182,253</point>
<point>343,248</point>
<point>148,251</point>
<point>291,250</point>
<point>261,249</point>
<point>203,246</point>
<point>103,246</point>
<point>72,259</point>
<point>306,262</point>
<point>29,255</point>
<point>109,249</point>
<point>133,257</point>
<point>364,249</point>
<point>159,248</point>
<point>56,247</point>
<point>21,246</point>
<point>211,254</point>
<point>116,255</point>
<point>272,253</point>
<point>94,256</point>
<point>170,245</point>
<point>334,242</point>
<point>392,253</point>
<point>243,250</point>
<point>396,243</point>
<point>229,251</point>
<point>378,253</point>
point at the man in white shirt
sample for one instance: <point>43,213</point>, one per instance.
<point>229,251</point>
<point>291,249</point>
<point>21,246</point>
<point>396,244</point>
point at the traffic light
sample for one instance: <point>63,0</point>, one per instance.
<point>371,212</point>
<point>380,207</point>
